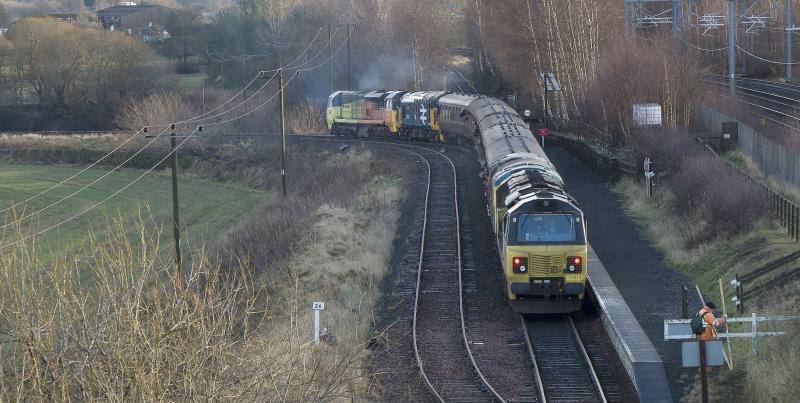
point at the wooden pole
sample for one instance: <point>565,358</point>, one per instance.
<point>283,134</point>
<point>729,357</point>
<point>700,294</point>
<point>703,371</point>
<point>684,303</point>
<point>176,221</point>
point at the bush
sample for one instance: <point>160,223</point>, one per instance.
<point>730,201</point>
<point>709,192</point>
<point>666,148</point>
<point>306,117</point>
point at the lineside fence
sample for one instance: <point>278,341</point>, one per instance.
<point>785,211</point>
<point>598,158</point>
<point>740,283</point>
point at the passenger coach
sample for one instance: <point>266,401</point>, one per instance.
<point>540,231</point>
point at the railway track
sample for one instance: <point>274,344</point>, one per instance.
<point>440,344</point>
<point>776,102</point>
<point>566,370</point>
<point>465,350</point>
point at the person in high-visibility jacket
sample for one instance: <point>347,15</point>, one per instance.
<point>710,322</point>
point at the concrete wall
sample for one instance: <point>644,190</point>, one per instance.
<point>773,159</point>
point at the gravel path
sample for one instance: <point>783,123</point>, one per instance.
<point>650,286</point>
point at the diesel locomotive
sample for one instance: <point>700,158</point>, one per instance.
<point>540,230</point>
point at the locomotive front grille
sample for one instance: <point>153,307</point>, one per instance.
<point>545,265</point>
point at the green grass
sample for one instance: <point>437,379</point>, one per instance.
<point>207,208</point>
<point>190,81</point>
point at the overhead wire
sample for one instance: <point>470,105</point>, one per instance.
<point>93,164</point>
<point>60,223</point>
<point>256,77</point>
<point>466,81</point>
<point>73,194</point>
<point>297,71</point>
<point>763,59</point>
<point>257,55</point>
<point>199,118</point>
<point>18,220</point>
<point>253,95</point>
<point>129,184</point>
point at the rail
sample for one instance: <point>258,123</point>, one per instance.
<point>564,368</point>
<point>778,106</point>
<point>441,367</point>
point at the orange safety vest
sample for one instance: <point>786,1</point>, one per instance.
<point>709,333</point>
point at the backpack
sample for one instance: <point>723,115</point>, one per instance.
<point>698,324</point>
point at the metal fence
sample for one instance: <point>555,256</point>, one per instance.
<point>785,211</point>
<point>772,158</point>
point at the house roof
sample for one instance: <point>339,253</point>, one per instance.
<point>120,11</point>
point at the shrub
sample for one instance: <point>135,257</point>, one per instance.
<point>666,148</point>
<point>113,326</point>
<point>715,197</point>
<point>730,201</point>
<point>306,117</point>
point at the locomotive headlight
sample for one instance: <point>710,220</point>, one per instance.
<point>574,264</point>
<point>519,264</point>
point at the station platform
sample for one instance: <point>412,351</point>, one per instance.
<point>638,355</point>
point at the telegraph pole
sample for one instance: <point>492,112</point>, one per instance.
<point>330,59</point>
<point>789,26</point>
<point>732,46</point>
<point>176,227</point>
<point>349,76</point>
<point>283,134</point>
<point>677,20</point>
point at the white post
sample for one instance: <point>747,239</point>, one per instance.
<point>316,326</point>
<point>755,330</point>
<point>317,306</point>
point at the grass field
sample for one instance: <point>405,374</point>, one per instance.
<point>207,207</point>
<point>115,321</point>
<point>190,81</point>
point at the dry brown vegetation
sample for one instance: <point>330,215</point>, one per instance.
<point>110,324</point>
<point>306,117</point>
<point>603,70</point>
<point>714,199</point>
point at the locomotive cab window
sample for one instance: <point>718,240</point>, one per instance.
<point>335,101</point>
<point>547,228</point>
